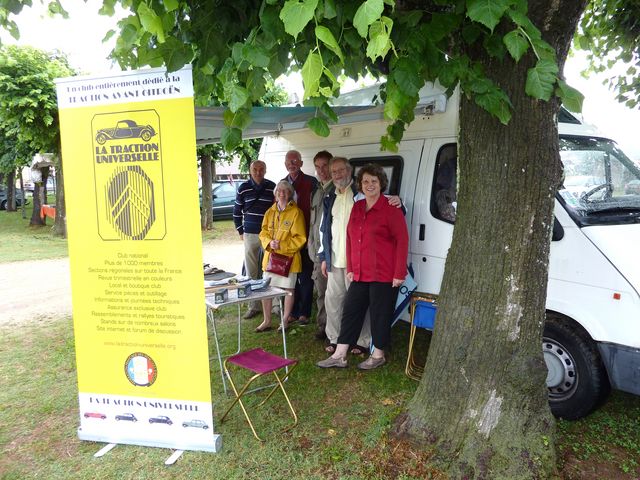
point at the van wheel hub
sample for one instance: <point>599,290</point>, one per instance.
<point>561,375</point>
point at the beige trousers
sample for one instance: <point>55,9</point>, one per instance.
<point>337,286</point>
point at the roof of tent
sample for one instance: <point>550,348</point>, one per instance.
<point>350,107</point>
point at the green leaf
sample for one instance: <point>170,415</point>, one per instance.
<point>241,119</point>
<point>108,8</point>
<point>330,9</point>
<point>13,29</point>
<point>541,79</point>
<point>326,37</point>
<point>379,38</point>
<point>406,75</point>
<point>295,15</point>
<point>151,22</point>
<point>496,103</point>
<point>256,56</point>
<point>230,138</point>
<point>170,5</point>
<point>236,95</point>
<point>516,44</point>
<point>367,13</point>
<point>571,98</point>
<point>386,143</point>
<point>328,112</point>
<point>311,73</point>
<point>175,54</point>
<point>319,126</point>
<point>487,12</point>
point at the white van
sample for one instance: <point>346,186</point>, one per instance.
<point>592,334</point>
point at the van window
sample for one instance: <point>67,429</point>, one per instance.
<point>601,185</point>
<point>445,184</point>
<point>392,166</point>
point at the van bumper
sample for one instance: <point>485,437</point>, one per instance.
<point>623,366</point>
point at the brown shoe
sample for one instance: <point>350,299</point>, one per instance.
<point>371,363</point>
<point>333,363</point>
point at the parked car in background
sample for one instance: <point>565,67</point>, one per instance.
<point>4,198</point>
<point>579,185</point>
<point>632,188</point>
<point>224,196</point>
<point>51,185</point>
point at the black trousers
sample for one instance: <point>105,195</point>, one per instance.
<point>380,299</point>
<point>304,287</point>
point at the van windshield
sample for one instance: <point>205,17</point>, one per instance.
<point>601,185</point>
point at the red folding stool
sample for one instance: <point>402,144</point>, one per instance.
<point>260,363</point>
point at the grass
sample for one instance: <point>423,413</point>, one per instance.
<point>344,419</point>
<point>344,416</point>
<point>23,242</point>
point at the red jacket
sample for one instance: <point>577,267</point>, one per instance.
<point>377,242</point>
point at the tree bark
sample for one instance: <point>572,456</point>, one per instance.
<point>482,401</point>
<point>38,199</point>
<point>206,212</point>
<point>60,223</point>
<point>11,191</point>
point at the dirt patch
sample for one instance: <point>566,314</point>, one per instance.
<point>39,291</point>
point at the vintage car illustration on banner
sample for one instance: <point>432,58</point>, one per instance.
<point>125,129</point>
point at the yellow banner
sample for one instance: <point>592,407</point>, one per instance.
<point>129,160</point>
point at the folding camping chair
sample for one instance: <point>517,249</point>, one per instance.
<point>260,363</point>
<point>422,310</point>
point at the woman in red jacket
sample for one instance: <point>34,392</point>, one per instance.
<point>377,247</point>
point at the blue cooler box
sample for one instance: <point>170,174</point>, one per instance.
<point>425,314</point>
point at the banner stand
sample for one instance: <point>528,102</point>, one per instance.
<point>135,255</point>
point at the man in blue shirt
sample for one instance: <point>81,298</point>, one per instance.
<point>253,199</point>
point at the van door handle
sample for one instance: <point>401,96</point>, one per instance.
<point>421,234</point>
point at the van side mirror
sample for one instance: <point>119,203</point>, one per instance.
<point>558,231</point>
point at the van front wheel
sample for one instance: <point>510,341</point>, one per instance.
<point>576,378</point>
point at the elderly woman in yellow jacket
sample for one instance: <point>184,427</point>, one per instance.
<point>283,231</point>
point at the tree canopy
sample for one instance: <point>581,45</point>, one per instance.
<point>609,32</point>
<point>28,105</point>
<point>236,46</point>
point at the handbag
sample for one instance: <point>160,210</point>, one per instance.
<point>279,264</point>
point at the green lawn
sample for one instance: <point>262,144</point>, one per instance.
<point>344,415</point>
<point>23,242</point>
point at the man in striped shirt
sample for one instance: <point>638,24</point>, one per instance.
<point>253,199</point>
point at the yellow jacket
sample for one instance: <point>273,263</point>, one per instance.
<point>288,227</point>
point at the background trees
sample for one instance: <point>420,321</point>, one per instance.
<point>29,113</point>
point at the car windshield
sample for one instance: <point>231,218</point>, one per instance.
<point>601,185</point>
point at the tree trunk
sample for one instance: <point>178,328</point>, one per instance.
<point>45,178</point>
<point>23,208</point>
<point>60,223</point>
<point>482,401</point>
<point>206,209</point>
<point>38,199</point>
<point>11,191</point>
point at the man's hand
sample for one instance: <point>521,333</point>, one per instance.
<point>323,268</point>
<point>241,237</point>
<point>275,244</point>
<point>397,282</point>
<point>394,201</point>
<point>350,276</point>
